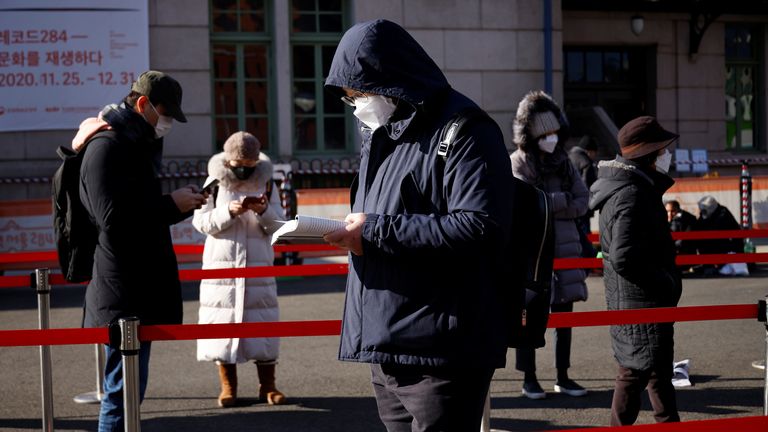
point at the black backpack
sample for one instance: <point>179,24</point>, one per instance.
<point>76,235</point>
<point>530,252</point>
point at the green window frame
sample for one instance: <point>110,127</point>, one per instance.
<point>242,70</point>
<point>322,124</point>
<point>743,86</point>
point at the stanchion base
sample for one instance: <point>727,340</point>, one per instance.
<point>93,397</point>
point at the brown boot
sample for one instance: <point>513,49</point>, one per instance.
<point>267,390</point>
<point>228,378</point>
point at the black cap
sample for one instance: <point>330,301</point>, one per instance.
<point>642,136</point>
<point>160,88</point>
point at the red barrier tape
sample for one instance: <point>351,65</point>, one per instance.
<point>22,257</point>
<point>184,249</point>
<point>195,249</point>
<point>722,258</point>
<point>14,281</point>
<point>67,336</point>
<point>198,249</point>
<point>266,271</point>
<point>333,327</point>
<point>741,424</point>
<point>702,235</point>
<point>242,330</point>
<point>340,269</point>
<point>636,316</point>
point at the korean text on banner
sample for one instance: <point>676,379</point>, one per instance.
<point>63,60</point>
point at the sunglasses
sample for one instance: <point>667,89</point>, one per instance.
<point>350,100</point>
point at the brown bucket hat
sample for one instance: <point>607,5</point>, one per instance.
<point>642,136</point>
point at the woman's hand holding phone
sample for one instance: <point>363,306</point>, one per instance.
<point>256,203</point>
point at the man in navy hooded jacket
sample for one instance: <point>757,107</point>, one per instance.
<point>426,235</point>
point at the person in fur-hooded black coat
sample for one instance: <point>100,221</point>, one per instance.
<point>540,129</point>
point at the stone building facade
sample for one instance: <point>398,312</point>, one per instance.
<point>585,53</point>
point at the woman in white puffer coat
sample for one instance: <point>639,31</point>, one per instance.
<point>239,237</point>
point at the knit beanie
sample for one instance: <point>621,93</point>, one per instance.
<point>242,145</point>
<point>544,123</point>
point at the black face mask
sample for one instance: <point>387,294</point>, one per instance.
<point>242,172</point>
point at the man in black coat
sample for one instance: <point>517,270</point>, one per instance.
<point>639,266</point>
<point>680,221</point>
<point>135,273</point>
<point>426,234</point>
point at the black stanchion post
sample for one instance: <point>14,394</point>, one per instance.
<point>129,348</point>
<point>40,283</point>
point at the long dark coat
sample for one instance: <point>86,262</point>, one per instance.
<point>638,258</point>
<point>135,271</point>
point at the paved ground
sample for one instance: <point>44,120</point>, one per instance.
<point>327,395</point>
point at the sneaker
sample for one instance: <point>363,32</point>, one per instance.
<point>759,364</point>
<point>570,388</point>
<point>532,390</point>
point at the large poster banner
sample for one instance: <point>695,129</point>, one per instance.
<point>63,60</point>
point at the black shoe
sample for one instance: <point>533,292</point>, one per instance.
<point>532,390</point>
<point>570,388</point>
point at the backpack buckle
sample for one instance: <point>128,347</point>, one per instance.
<point>445,145</point>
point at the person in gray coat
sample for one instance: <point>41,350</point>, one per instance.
<point>639,266</point>
<point>540,129</point>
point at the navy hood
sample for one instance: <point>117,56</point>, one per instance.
<point>380,57</point>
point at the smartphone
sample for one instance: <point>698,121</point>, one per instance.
<point>210,186</point>
<point>250,200</point>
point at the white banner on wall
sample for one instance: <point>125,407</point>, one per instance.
<point>63,60</point>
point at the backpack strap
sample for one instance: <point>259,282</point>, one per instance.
<point>451,129</point>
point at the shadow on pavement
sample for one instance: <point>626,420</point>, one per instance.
<point>37,424</point>
<point>329,414</point>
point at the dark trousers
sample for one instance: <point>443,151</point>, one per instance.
<point>424,398</point>
<point>629,386</point>
<point>525,358</point>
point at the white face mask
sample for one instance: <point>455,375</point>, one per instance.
<point>663,161</point>
<point>164,123</point>
<point>374,111</point>
<point>547,144</point>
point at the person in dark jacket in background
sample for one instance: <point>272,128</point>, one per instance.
<point>583,157</point>
<point>424,293</point>
<point>715,217</point>
<point>680,221</point>
<point>639,266</point>
<point>135,273</point>
<point>540,128</point>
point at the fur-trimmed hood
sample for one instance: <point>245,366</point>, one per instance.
<point>217,168</point>
<point>535,102</point>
